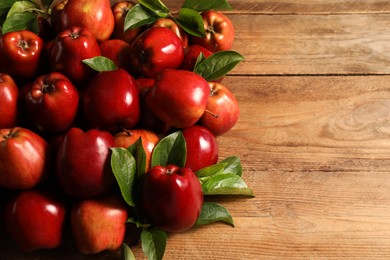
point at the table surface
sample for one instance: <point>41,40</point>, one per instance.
<point>313,136</point>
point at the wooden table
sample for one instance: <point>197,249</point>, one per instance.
<point>313,136</point>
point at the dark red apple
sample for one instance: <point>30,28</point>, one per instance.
<point>94,15</point>
<point>179,97</point>
<point>120,10</point>
<point>202,147</point>
<point>155,50</point>
<point>222,111</point>
<point>24,158</point>
<point>9,93</point>
<point>219,32</point>
<point>70,48</point>
<point>83,163</point>
<point>99,224</point>
<point>35,220</point>
<point>111,101</point>
<point>171,197</point>
<point>52,103</point>
<point>128,137</point>
<point>20,53</point>
<point>118,51</point>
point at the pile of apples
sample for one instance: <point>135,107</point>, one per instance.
<point>82,85</point>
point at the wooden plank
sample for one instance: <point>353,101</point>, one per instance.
<point>301,6</point>
<point>312,44</point>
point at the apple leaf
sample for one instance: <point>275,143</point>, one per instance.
<point>21,7</point>
<point>153,243</point>
<point>233,165</point>
<point>126,253</point>
<point>6,3</point>
<point>138,152</point>
<point>226,184</point>
<point>21,21</point>
<point>213,212</point>
<point>211,170</point>
<point>156,6</point>
<point>202,5</point>
<point>139,16</point>
<point>200,59</point>
<point>100,64</point>
<point>218,64</point>
<point>171,149</point>
<point>191,22</point>
<point>123,166</point>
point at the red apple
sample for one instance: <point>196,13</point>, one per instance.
<point>222,111</point>
<point>94,15</point>
<point>52,103</point>
<point>83,163</point>
<point>35,220</point>
<point>179,97</point>
<point>70,48</point>
<point>128,137</point>
<point>56,13</point>
<point>148,119</point>
<point>111,101</point>
<point>9,93</point>
<point>191,54</point>
<point>99,224</point>
<point>118,51</point>
<point>24,158</point>
<point>172,25</point>
<point>202,147</point>
<point>20,53</point>
<point>219,32</point>
<point>171,197</point>
<point>155,50</point>
<point>120,10</point>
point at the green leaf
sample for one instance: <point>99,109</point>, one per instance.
<point>191,22</point>
<point>171,149</point>
<point>123,166</point>
<point>200,59</point>
<point>153,243</point>
<point>21,7</point>
<point>226,184</point>
<point>139,16</point>
<point>156,6</point>
<point>213,212</point>
<point>21,21</point>
<point>218,64</point>
<point>127,253</point>
<point>138,152</point>
<point>211,170</point>
<point>203,5</point>
<point>233,165</point>
<point>6,3</point>
<point>100,64</point>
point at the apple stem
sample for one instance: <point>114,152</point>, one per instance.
<point>211,113</point>
<point>23,44</point>
<point>127,131</point>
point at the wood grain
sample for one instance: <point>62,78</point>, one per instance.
<point>302,6</point>
<point>312,44</point>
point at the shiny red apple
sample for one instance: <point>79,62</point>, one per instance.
<point>35,220</point>
<point>111,101</point>
<point>222,111</point>
<point>24,158</point>
<point>9,93</point>
<point>178,98</point>
<point>83,163</point>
